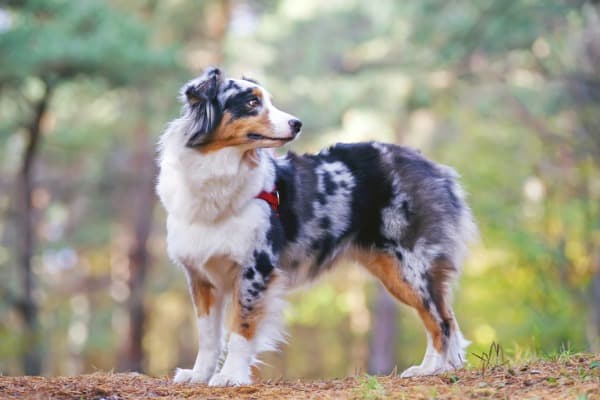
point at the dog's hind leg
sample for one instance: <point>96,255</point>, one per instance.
<point>208,304</point>
<point>427,295</point>
<point>257,306</point>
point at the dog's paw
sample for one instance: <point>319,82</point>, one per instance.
<point>190,376</point>
<point>421,370</point>
<point>426,370</point>
<point>221,379</point>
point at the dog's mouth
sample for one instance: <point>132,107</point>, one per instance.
<point>257,136</point>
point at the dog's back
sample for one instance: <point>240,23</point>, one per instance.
<point>371,196</point>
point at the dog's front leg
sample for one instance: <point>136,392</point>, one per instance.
<point>256,325</point>
<point>208,303</point>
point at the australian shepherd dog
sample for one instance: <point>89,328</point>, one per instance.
<point>247,226</point>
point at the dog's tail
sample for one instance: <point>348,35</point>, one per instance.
<point>466,232</point>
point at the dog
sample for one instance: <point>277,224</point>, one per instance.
<point>247,226</point>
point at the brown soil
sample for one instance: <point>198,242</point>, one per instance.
<point>574,377</point>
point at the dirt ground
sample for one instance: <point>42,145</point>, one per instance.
<point>572,377</point>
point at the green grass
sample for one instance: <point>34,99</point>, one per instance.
<point>493,358</point>
<point>560,370</point>
<point>369,388</point>
<point>496,357</point>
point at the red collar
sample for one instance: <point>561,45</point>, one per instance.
<point>272,198</point>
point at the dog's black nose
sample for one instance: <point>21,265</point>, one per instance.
<point>295,124</point>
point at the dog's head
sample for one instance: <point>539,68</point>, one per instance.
<point>231,112</point>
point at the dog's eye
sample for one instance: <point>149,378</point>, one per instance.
<point>253,103</point>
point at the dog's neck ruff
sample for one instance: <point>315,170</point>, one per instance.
<point>272,198</point>
<point>206,188</point>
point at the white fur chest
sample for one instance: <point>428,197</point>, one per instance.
<point>213,212</point>
<point>233,238</point>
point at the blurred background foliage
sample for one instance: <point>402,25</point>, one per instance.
<point>507,92</point>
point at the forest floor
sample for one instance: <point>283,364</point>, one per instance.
<point>564,377</point>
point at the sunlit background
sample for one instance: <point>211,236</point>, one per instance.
<point>507,92</point>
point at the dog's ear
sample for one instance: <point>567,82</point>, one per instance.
<point>201,97</point>
<point>204,88</point>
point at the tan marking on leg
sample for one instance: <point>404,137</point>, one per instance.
<point>389,271</point>
<point>203,294</point>
<point>440,274</point>
<point>244,321</point>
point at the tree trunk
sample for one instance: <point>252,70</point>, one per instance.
<point>594,326</point>
<point>588,109</point>
<point>382,349</point>
<point>32,357</point>
<point>144,173</point>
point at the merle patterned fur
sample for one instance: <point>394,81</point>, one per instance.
<point>372,186</point>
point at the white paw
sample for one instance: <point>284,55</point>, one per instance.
<point>190,376</point>
<point>222,379</point>
<point>419,370</point>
